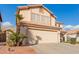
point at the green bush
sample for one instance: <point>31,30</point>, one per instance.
<point>77,42</point>
<point>73,40</point>
<point>15,39</point>
<point>68,40</point>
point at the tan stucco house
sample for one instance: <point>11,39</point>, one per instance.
<point>72,34</point>
<point>2,33</point>
<point>39,24</point>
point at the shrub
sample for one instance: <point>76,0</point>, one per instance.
<point>73,40</point>
<point>15,38</point>
<point>68,40</point>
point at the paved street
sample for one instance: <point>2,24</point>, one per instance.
<point>62,48</point>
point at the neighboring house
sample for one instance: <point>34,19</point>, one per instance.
<point>72,34</point>
<point>8,33</point>
<point>59,24</point>
<point>0,22</point>
<point>39,24</point>
<point>2,33</point>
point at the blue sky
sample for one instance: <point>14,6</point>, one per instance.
<point>66,13</point>
<point>8,12</point>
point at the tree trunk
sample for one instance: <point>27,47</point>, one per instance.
<point>17,43</point>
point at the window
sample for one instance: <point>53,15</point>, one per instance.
<point>58,25</point>
<point>33,17</point>
<point>45,19</point>
<point>36,18</point>
<point>40,19</point>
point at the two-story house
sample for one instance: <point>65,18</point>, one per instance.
<point>39,24</point>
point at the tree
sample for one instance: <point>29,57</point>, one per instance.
<point>18,19</point>
<point>15,38</point>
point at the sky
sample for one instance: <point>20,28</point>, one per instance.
<point>65,13</point>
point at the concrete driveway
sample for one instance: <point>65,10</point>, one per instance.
<point>61,48</point>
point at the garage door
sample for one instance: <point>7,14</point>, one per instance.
<point>44,36</point>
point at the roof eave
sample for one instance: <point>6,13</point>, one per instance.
<point>49,11</point>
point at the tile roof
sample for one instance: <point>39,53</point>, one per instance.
<point>72,31</point>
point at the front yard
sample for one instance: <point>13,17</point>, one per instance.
<point>45,48</point>
<point>16,50</point>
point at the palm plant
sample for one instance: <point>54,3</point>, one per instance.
<point>15,38</point>
<point>18,19</point>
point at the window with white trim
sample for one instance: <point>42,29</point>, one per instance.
<point>35,18</point>
<point>40,19</point>
<point>45,19</point>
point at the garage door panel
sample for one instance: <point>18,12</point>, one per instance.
<point>45,36</point>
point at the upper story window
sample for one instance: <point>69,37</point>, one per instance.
<point>35,18</point>
<point>45,19</point>
<point>57,25</point>
<point>40,19</point>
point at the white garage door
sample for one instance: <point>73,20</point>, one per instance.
<point>44,36</point>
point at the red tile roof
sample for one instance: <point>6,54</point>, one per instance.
<point>72,31</point>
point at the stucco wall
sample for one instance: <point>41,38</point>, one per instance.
<point>35,10</point>
<point>61,25</point>
<point>77,39</point>
<point>53,21</point>
<point>26,15</point>
<point>45,13</point>
<point>45,36</point>
<point>72,36</point>
<point>65,36</point>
